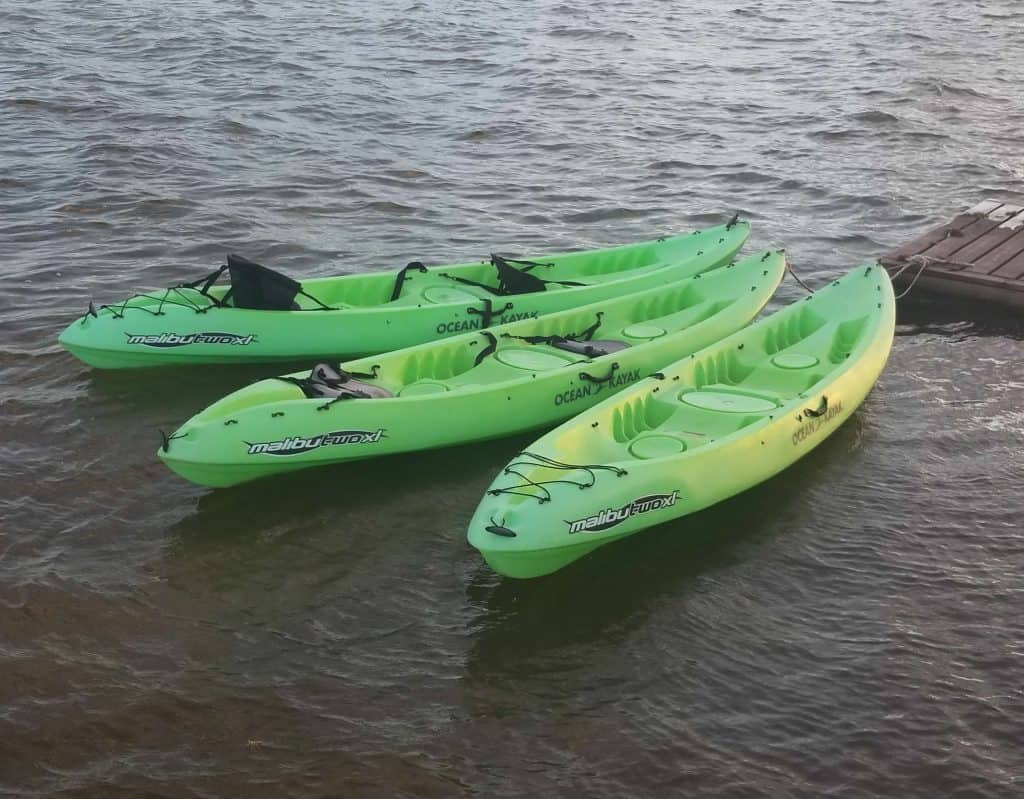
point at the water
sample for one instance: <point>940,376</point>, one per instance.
<point>851,628</point>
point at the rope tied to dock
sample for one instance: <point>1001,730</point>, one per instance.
<point>922,261</point>
<point>796,277</point>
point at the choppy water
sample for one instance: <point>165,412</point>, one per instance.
<point>852,628</point>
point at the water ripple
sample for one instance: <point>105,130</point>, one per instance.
<point>851,627</point>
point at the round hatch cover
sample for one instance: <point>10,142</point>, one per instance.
<point>422,387</point>
<point>644,330</point>
<point>532,360</point>
<point>656,446</point>
<point>442,295</point>
<point>728,402</point>
<point>794,360</point>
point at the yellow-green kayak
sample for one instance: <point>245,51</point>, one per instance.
<point>707,427</point>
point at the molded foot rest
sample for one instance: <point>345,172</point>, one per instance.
<point>422,387</point>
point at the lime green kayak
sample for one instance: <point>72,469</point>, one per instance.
<point>264,315</point>
<point>476,386</point>
<point>707,427</point>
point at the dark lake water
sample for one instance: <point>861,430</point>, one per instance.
<point>852,628</point>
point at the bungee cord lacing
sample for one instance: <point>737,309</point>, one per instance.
<point>584,335</point>
<point>531,460</point>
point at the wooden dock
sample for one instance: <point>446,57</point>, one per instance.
<point>979,254</point>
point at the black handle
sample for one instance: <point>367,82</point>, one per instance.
<point>488,313</point>
<point>591,379</point>
<point>820,410</point>
<point>401,276</point>
<point>492,345</point>
<point>497,529</point>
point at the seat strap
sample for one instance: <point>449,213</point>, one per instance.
<point>402,276</point>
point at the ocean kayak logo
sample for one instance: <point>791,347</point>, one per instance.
<point>591,389</point>
<point>461,326</point>
<point>183,339</point>
<point>296,445</point>
<point>610,517</point>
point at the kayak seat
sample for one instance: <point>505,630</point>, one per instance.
<point>325,381</point>
<point>591,349</point>
<point>513,280</point>
<point>257,287</point>
<point>351,388</point>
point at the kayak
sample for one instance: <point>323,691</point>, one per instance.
<point>481,385</point>
<point>263,315</point>
<point>705,428</point>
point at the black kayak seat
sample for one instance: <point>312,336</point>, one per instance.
<point>260,288</point>
<point>326,381</point>
<point>592,349</point>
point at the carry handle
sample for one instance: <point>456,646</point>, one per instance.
<point>591,379</point>
<point>488,313</point>
<point>820,410</point>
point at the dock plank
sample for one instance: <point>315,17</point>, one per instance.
<point>1014,223</point>
<point>996,257</point>
<point>1012,269</point>
<point>979,248</point>
<point>959,239</point>
<point>936,235</point>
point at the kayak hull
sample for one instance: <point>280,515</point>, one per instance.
<point>182,325</point>
<point>468,388</point>
<point>720,422</point>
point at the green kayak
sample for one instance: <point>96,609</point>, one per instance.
<point>263,315</point>
<point>705,428</point>
<point>471,387</point>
